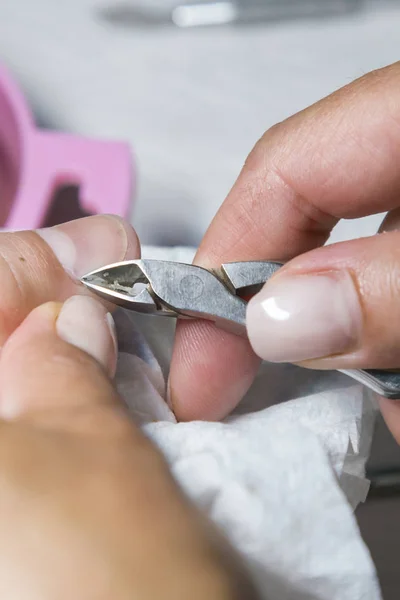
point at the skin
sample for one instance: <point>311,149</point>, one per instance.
<point>88,508</point>
<point>337,159</point>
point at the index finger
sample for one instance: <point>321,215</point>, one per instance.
<point>337,159</point>
<point>38,267</point>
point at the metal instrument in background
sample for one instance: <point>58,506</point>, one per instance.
<point>185,291</point>
<point>206,13</point>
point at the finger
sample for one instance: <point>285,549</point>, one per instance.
<point>54,349</point>
<point>333,308</point>
<point>36,267</point>
<point>337,159</point>
<point>210,372</point>
<point>342,311</point>
<point>74,467</point>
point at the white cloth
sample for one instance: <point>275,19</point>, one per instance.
<point>281,479</point>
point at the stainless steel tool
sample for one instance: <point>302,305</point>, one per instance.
<point>187,291</point>
<point>189,14</point>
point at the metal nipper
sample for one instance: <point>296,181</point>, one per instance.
<point>179,290</point>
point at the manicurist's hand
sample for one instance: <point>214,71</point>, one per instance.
<point>88,508</point>
<point>331,307</point>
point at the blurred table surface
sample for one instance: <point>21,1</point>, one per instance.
<point>192,103</point>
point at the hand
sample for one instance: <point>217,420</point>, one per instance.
<point>336,306</point>
<point>88,508</point>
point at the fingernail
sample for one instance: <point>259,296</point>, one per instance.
<point>86,324</point>
<point>87,244</point>
<point>304,317</point>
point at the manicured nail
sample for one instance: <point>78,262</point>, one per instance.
<point>87,244</point>
<point>86,324</point>
<point>304,317</point>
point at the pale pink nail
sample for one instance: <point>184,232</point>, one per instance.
<point>304,317</point>
<point>86,324</point>
<point>87,244</point>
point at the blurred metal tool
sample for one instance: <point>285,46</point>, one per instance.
<point>202,13</point>
<point>186,291</point>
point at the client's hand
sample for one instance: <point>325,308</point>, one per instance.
<point>88,509</point>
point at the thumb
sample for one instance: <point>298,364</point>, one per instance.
<point>47,371</point>
<point>333,308</point>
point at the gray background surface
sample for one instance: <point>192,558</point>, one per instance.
<point>192,103</point>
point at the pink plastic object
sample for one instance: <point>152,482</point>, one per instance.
<point>34,163</point>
